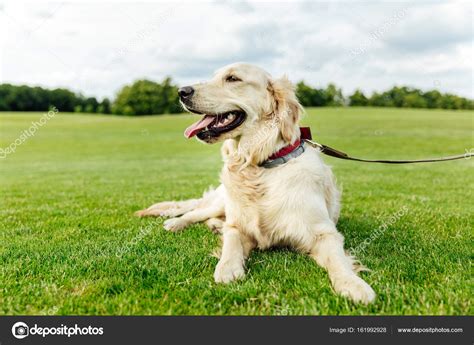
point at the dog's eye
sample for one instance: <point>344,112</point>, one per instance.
<point>232,79</point>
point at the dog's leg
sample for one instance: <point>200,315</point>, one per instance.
<point>197,215</point>
<point>332,196</point>
<point>169,208</point>
<point>178,208</point>
<point>328,252</point>
<point>236,248</point>
<point>212,205</point>
<point>215,224</point>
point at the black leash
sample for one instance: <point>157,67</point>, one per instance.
<point>338,154</point>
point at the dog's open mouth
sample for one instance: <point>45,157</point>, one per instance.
<point>211,126</point>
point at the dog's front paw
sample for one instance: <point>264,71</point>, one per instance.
<point>174,224</point>
<point>355,288</point>
<point>228,271</point>
<point>215,225</point>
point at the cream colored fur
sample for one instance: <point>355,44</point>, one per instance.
<point>295,204</point>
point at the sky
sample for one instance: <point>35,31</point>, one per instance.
<point>97,47</point>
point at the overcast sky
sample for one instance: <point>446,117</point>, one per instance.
<point>97,47</point>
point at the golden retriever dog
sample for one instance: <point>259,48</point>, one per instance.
<point>263,201</point>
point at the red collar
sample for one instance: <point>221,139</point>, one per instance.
<point>305,133</point>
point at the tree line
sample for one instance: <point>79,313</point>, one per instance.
<point>146,97</point>
<point>143,97</point>
<point>397,96</point>
<point>27,98</point>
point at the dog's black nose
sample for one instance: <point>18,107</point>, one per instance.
<point>185,92</point>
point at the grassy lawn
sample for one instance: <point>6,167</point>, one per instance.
<point>69,243</point>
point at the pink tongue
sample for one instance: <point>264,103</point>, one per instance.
<point>192,130</point>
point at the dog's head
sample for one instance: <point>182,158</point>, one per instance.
<point>237,100</point>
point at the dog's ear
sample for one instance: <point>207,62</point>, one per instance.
<point>285,108</point>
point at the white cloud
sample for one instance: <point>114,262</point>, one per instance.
<point>98,47</point>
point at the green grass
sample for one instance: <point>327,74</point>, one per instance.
<point>68,195</point>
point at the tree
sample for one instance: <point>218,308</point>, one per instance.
<point>468,104</point>
<point>396,95</point>
<point>22,99</point>
<point>169,100</point>
<point>414,100</point>
<point>90,105</point>
<point>104,107</point>
<point>145,97</point>
<point>432,98</point>
<point>449,101</point>
<point>380,100</point>
<point>310,97</point>
<point>358,99</point>
<point>62,99</point>
<point>5,91</point>
<point>303,92</point>
<point>334,96</point>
